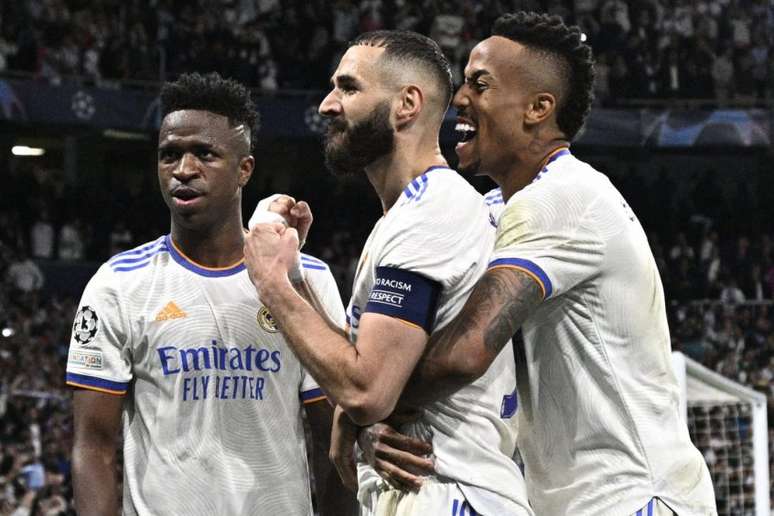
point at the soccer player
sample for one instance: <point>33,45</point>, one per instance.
<point>172,343</point>
<point>390,92</point>
<point>600,430</point>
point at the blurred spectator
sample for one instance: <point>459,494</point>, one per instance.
<point>24,275</point>
<point>723,74</point>
<point>42,237</point>
<point>70,241</point>
<point>731,294</point>
<point>120,238</point>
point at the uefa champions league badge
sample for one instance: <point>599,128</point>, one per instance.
<point>267,321</point>
<point>86,325</point>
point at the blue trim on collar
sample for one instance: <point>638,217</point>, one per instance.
<point>201,271</point>
<point>418,185</point>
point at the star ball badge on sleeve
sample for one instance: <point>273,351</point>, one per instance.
<point>85,325</point>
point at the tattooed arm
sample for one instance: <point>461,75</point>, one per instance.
<point>462,351</point>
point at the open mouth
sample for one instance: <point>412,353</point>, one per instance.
<point>466,130</point>
<point>185,194</point>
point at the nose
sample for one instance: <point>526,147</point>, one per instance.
<point>187,168</point>
<point>330,106</point>
<point>460,99</point>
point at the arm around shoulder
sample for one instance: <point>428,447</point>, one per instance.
<point>462,351</point>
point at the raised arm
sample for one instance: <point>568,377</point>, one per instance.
<point>97,424</point>
<point>463,350</point>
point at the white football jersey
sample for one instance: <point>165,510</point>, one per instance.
<point>419,264</point>
<point>600,426</point>
<point>212,418</point>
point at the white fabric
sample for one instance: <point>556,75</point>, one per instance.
<point>600,428</point>
<point>440,227</point>
<point>186,450</point>
<point>433,498</point>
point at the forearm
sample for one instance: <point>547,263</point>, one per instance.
<point>94,480</point>
<point>310,296</point>
<point>325,353</point>
<point>463,351</point>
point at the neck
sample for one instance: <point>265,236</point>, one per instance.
<point>219,245</point>
<point>528,165</point>
<point>390,174</point>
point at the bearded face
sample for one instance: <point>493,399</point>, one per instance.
<point>350,149</point>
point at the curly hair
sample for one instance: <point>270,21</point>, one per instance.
<point>212,93</point>
<point>550,35</point>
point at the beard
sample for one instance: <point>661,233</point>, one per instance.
<point>360,145</point>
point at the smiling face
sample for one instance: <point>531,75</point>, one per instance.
<point>358,108</point>
<point>491,105</point>
<point>203,163</point>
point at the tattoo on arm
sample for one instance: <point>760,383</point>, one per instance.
<point>515,294</point>
<point>457,355</point>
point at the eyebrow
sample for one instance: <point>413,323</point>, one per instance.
<point>477,74</point>
<point>180,144</point>
<point>344,80</point>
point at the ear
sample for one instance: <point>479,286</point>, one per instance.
<point>541,108</point>
<point>411,102</point>
<point>246,166</point>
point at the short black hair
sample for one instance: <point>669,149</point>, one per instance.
<point>212,93</point>
<point>549,34</point>
<point>405,45</point>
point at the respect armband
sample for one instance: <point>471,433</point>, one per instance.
<point>405,295</point>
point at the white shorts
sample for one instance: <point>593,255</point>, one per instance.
<point>434,498</point>
<point>655,507</point>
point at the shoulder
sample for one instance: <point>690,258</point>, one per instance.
<point>319,275</point>
<point>139,257</point>
<point>316,270</point>
<point>128,267</point>
<point>313,264</point>
<point>440,198</point>
<point>563,189</point>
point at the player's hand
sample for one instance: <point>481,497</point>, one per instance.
<point>296,214</point>
<point>342,452</point>
<point>399,459</point>
<point>271,251</point>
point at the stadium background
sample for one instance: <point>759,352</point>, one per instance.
<point>682,125</point>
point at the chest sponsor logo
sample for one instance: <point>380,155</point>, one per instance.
<point>220,372</point>
<point>170,311</point>
<point>86,358</point>
<point>86,325</point>
<point>266,321</point>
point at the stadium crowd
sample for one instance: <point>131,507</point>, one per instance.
<point>710,49</point>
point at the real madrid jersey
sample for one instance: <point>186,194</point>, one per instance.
<point>419,265</point>
<point>600,428</point>
<point>212,415</point>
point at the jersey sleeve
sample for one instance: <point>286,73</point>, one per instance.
<point>99,357</point>
<point>322,282</point>
<point>552,239</point>
<point>429,246</point>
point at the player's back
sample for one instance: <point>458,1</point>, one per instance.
<point>210,385</point>
<point>440,228</point>
<point>601,431</point>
